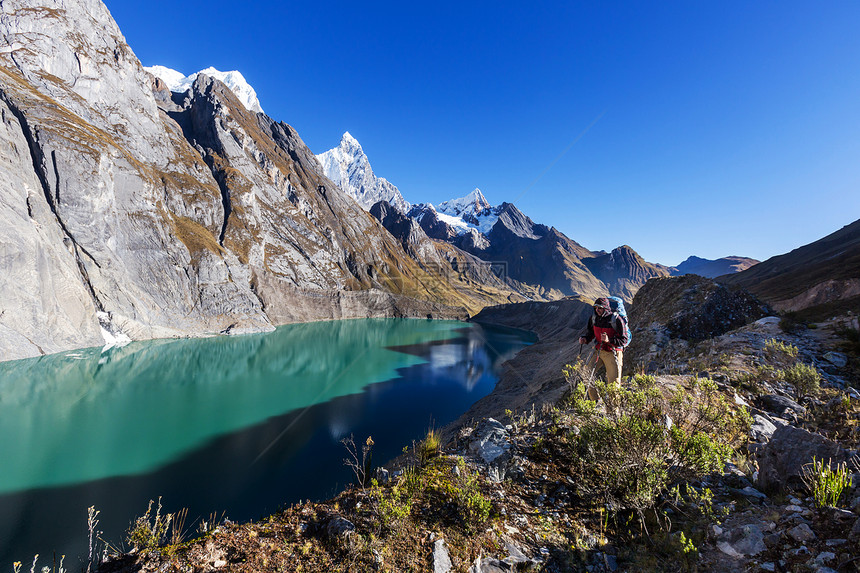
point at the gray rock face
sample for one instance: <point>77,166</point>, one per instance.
<point>490,440</point>
<point>762,428</point>
<point>169,215</point>
<point>35,259</point>
<point>781,461</point>
<point>837,359</point>
<point>781,405</point>
<point>115,178</point>
<point>412,237</point>
<point>491,443</point>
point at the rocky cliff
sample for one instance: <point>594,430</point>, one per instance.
<point>134,213</point>
<point>671,312</point>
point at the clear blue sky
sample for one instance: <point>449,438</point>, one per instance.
<point>679,128</point>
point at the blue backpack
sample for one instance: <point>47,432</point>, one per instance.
<point>617,306</point>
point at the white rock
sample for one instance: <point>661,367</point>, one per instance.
<point>727,548</point>
<point>441,558</point>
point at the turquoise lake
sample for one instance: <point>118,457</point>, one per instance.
<point>239,424</point>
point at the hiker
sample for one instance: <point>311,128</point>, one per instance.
<point>609,328</point>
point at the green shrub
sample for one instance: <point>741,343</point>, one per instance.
<point>639,440</point>
<point>824,483</point>
<point>780,352</point>
<point>391,505</point>
<point>804,378</point>
<point>462,489</point>
<point>147,532</point>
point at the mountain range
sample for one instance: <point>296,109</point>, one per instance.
<point>713,268</point>
<point>140,205</point>
<point>538,261</point>
<point>821,277</point>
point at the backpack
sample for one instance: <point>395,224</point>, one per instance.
<point>617,306</point>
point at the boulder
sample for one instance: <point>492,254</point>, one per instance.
<point>749,540</point>
<point>782,406</point>
<point>339,526</point>
<point>490,442</point>
<point>781,461</point>
<point>837,359</point>
<point>801,533</point>
<point>762,428</point>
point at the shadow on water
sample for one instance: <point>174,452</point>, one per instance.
<point>239,425</point>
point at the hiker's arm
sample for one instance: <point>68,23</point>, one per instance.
<point>619,327</point>
<point>588,333</point>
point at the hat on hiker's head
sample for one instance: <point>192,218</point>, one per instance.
<point>602,302</point>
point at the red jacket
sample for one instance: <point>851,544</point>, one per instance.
<point>613,325</point>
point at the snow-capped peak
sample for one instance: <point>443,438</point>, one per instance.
<point>348,141</point>
<point>234,80</point>
<point>469,214</point>
<point>348,167</point>
<point>472,204</point>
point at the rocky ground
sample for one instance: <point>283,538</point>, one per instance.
<point>509,494</point>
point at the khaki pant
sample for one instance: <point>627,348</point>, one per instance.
<point>612,362</point>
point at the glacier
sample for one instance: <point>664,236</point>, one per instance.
<point>180,83</point>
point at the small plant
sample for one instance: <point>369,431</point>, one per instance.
<point>428,448</point>
<point>824,483</point>
<point>580,374</point>
<point>689,551</point>
<point>92,523</point>
<point>147,532</point>
<point>360,465</point>
<point>804,378</point>
<point>178,531</point>
<point>210,523</point>
<point>391,505</point>
<point>780,352</point>
<point>473,506</point>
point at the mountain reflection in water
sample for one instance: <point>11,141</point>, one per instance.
<point>238,424</point>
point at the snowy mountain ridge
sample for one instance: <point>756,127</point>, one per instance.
<point>464,215</point>
<point>348,166</point>
<point>177,82</point>
<point>470,212</point>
